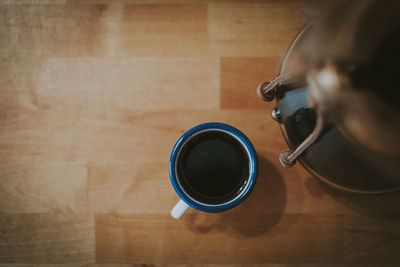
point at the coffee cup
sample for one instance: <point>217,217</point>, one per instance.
<point>213,168</point>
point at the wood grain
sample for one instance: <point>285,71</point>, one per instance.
<point>369,239</point>
<point>240,77</point>
<point>137,83</point>
<point>245,30</point>
<point>164,30</point>
<point>47,238</point>
<point>62,30</point>
<point>39,186</point>
<point>193,265</point>
<point>93,97</point>
<point>201,237</point>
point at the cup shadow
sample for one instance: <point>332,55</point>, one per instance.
<point>255,216</point>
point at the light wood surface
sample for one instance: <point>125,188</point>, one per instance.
<point>93,95</point>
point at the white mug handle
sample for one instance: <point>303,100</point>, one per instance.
<point>179,209</point>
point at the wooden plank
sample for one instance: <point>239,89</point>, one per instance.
<point>109,30</point>
<point>49,30</point>
<point>139,83</point>
<point>123,136</point>
<point>79,265</point>
<point>18,95</point>
<point>42,185</point>
<point>164,30</point>
<point>191,265</point>
<point>240,77</point>
<point>247,30</point>
<point>371,239</point>
<point>219,29</point>
<point>205,265</point>
<point>46,238</point>
<point>33,2</point>
<point>168,1</point>
<point>206,238</point>
<point>140,187</point>
<point>372,229</point>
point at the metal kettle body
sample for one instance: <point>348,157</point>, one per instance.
<point>318,142</point>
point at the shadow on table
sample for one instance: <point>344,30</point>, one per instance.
<point>255,216</point>
<point>382,205</point>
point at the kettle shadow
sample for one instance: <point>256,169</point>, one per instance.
<point>255,216</point>
<point>376,205</point>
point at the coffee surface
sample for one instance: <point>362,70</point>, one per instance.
<point>213,167</point>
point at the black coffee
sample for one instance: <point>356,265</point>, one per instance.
<point>212,167</point>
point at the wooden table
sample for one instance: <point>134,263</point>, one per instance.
<point>93,97</point>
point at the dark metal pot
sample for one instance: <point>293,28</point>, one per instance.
<point>331,156</point>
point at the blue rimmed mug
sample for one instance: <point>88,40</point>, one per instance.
<point>213,168</point>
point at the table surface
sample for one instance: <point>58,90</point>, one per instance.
<point>93,97</point>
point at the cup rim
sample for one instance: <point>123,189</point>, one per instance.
<point>209,126</point>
